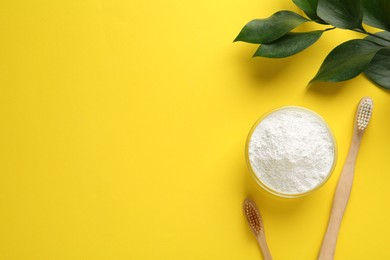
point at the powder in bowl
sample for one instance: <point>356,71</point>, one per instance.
<point>291,151</point>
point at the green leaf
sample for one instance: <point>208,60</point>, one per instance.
<point>288,45</point>
<point>377,13</point>
<point>310,9</point>
<point>378,40</point>
<point>379,68</point>
<point>346,14</point>
<point>346,61</point>
<point>270,29</point>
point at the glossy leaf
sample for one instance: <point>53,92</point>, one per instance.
<point>270,29</point>
<point>288,45</point>
<point>379,68</point>
<point>377,13</point>
<point>310,9</point>
<point>384,34</point>
<point>347,60</point>
<point>346,14</point>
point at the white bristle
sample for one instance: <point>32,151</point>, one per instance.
<point>364,113</point>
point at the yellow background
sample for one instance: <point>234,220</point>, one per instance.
<point>123,125</point>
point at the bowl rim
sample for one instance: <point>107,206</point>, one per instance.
<point>266,187</point>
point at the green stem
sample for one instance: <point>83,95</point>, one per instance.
<point>371,34</point>
<point>328,29</point>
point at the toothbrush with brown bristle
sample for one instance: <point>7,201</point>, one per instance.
<point>344,186</point>
<point>255,222</point>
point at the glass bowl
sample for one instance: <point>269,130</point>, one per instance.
<point>271,190</point>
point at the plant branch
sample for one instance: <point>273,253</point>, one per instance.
<point>329,29</point>
<point>371,34</point>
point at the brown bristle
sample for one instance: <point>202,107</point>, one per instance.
<point>253,216</point>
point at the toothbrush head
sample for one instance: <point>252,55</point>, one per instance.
<point>253,216</point>
<point>364,112</point>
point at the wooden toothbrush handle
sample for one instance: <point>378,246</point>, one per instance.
<point>340,201</point>
<point>264,247</point>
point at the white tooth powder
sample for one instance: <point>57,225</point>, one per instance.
<point>291,150</point>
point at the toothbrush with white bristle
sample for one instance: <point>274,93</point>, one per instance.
<point>344,186</point>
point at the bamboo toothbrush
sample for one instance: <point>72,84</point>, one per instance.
<point>344,186</point>
<point>255,222</point>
